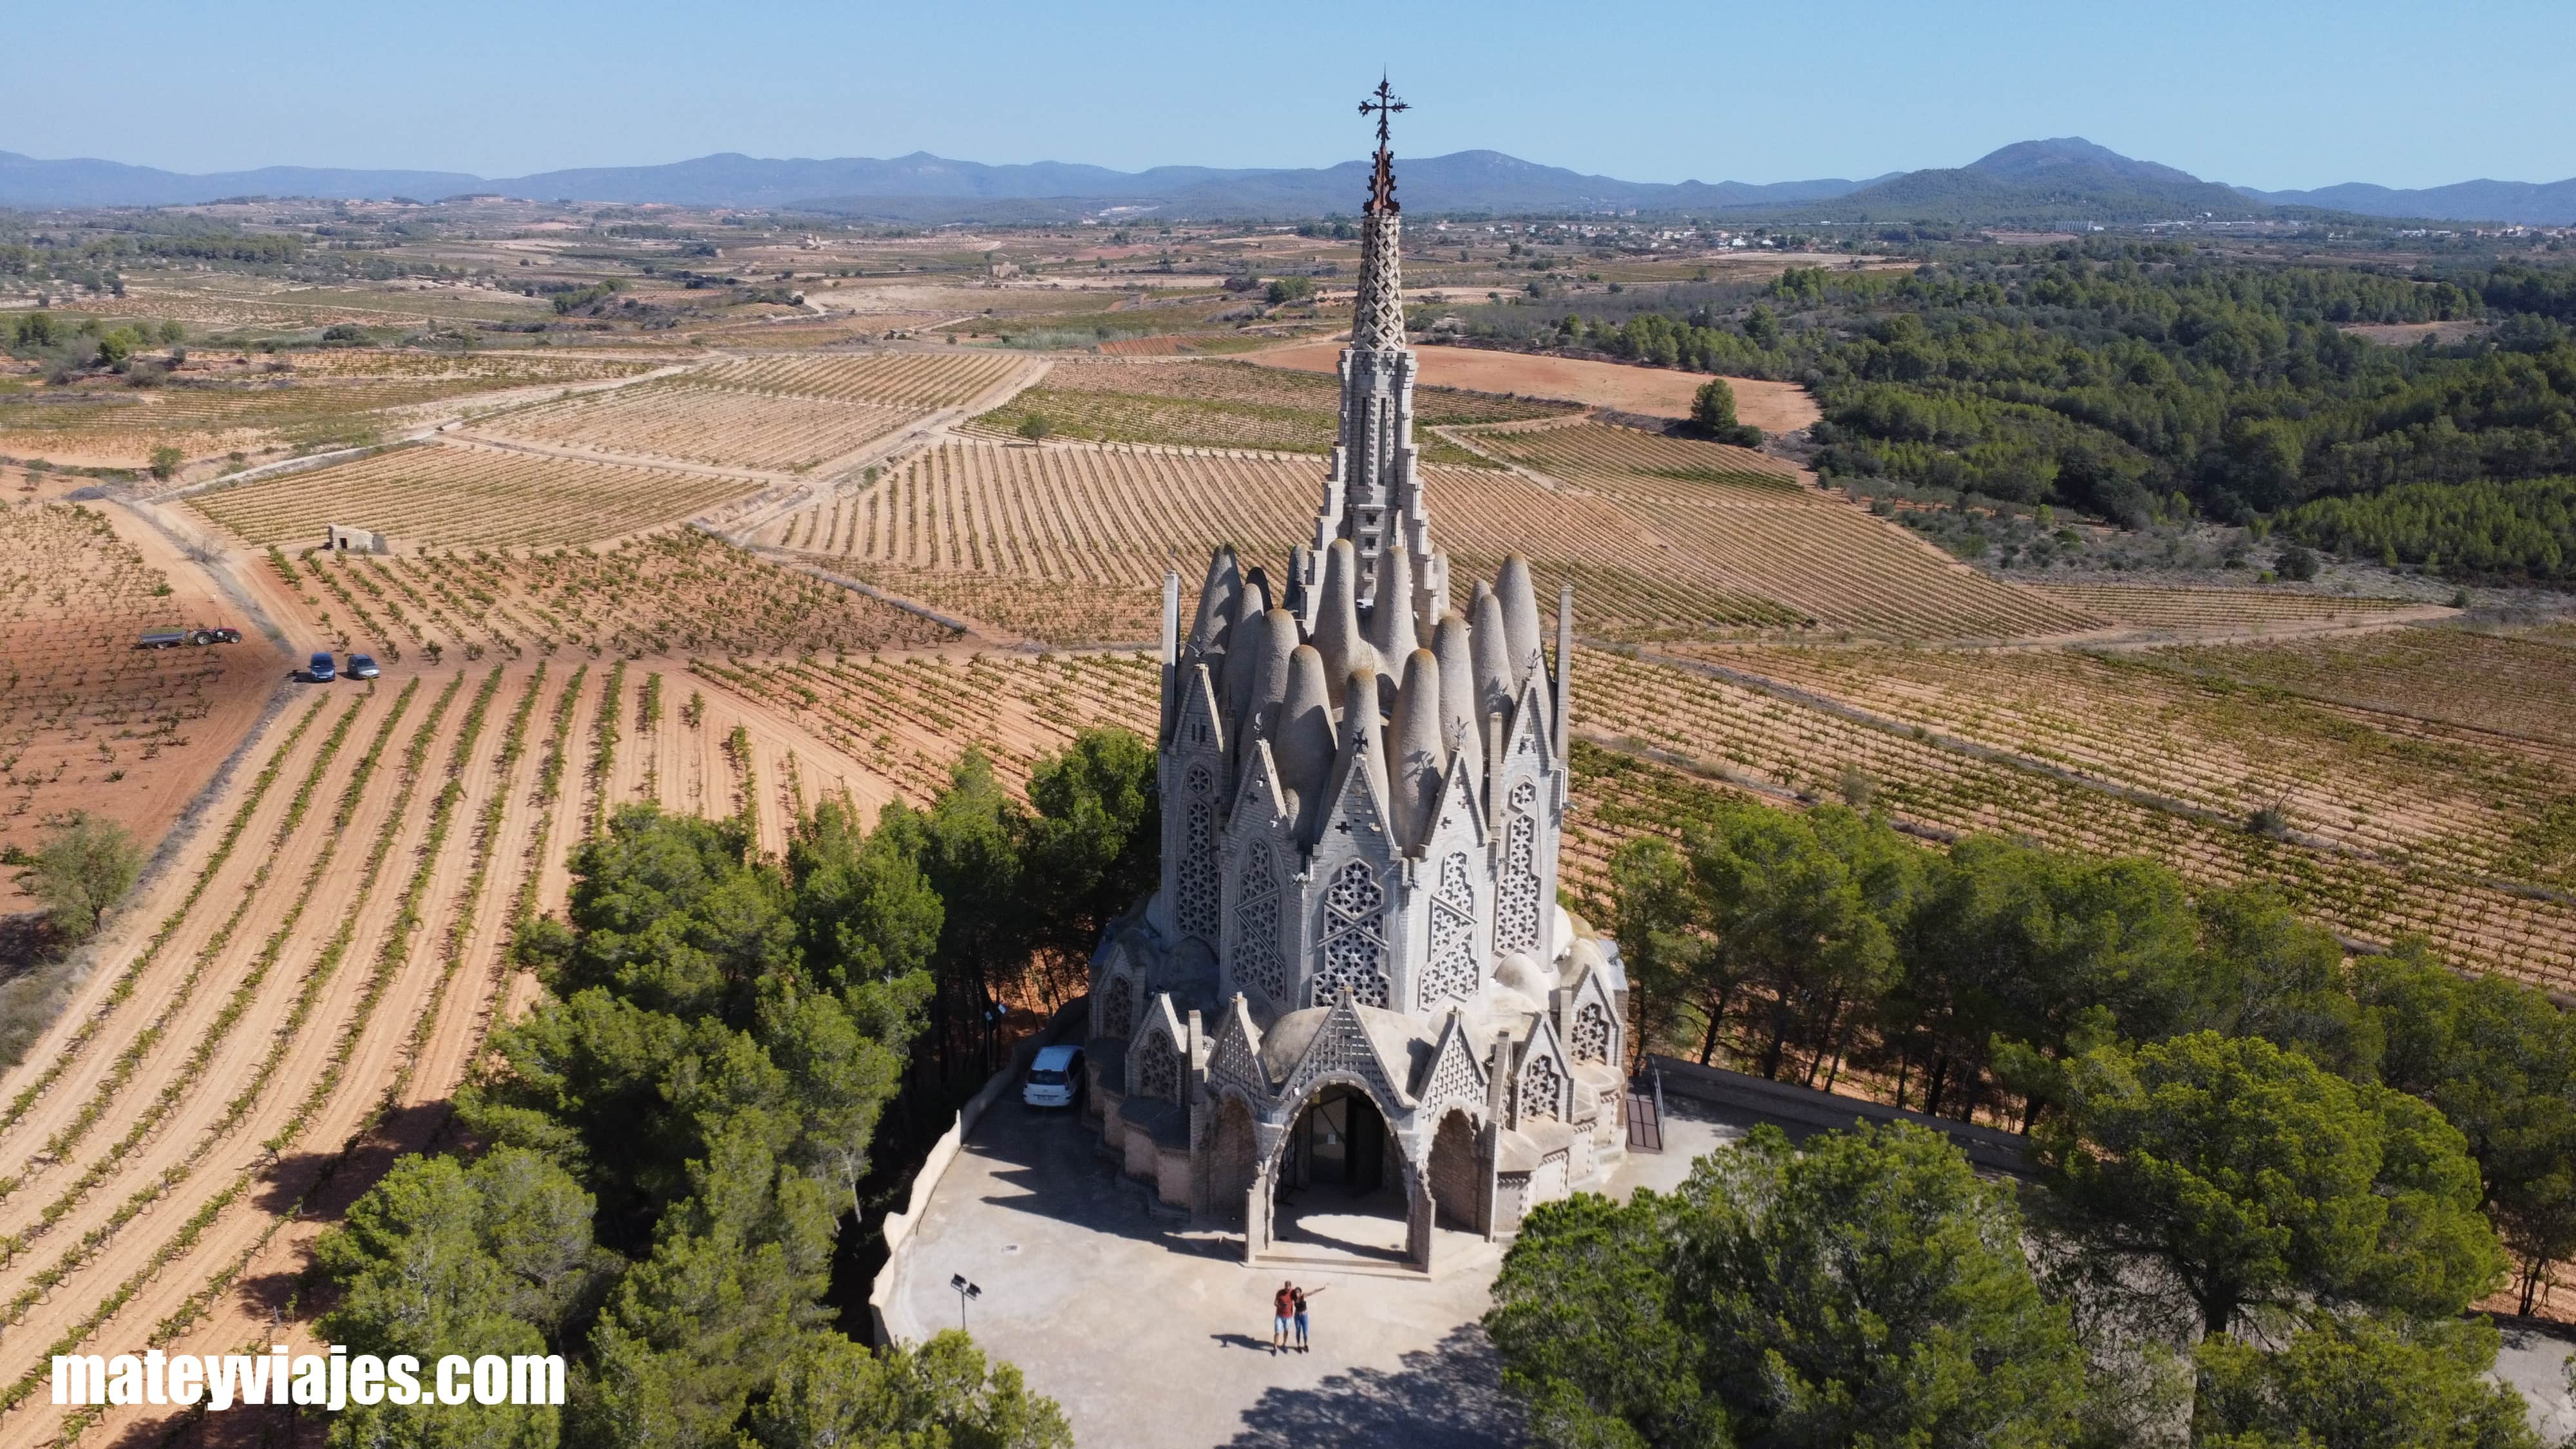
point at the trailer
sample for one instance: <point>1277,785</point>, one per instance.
<point>173,638</point>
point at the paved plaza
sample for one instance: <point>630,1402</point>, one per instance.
<point>1154,1336</point>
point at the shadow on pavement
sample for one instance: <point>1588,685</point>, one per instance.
<point>1450,1397</point>
<point>1369,1227</point>
<point>1055,1161</point>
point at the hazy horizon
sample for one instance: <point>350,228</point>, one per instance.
<point>2279,98</point>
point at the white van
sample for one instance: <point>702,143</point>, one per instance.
<point>1055,1077</point>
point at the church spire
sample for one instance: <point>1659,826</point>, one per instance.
<point>1377,323</point>
<point>1373,500</point>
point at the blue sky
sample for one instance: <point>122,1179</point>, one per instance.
<point>2270,95</point>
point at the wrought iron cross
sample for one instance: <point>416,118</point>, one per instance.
<point>1383,101</point>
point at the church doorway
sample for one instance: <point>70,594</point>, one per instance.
<point>1457,1184</point>
<point>1341,1181</point>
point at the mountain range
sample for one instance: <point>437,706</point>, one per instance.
<point>2062,180</point>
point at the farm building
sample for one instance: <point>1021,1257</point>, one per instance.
<point>1354,984</point>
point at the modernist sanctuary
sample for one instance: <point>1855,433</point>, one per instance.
<point>1354,979</point>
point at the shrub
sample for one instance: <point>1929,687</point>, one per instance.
<point>82,869</point>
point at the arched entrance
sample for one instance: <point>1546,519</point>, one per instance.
<point>1232,1159</point>
<point>1457,1186</point>
<point>1341,1182</point>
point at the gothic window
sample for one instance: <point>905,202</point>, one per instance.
<point>1258,961</point>
<point>1590,1038</point>
<point>1354,939</point>
<point>1117,1007</point>
<point>1158,1069</point>
<point>1542,1089</point>
<point>1452,973</point>
<point>1198,907</point>
<point>1516,913</point>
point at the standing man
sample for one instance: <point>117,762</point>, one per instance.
<point>1298,1297</point>
<point>1283,1306</point>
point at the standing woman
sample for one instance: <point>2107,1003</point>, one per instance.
<point>1299,1295</point>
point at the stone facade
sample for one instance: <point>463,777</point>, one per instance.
<point>1364,790</point>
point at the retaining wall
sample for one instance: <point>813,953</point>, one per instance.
<point>1791,1105</point>
<point>888,1320</point>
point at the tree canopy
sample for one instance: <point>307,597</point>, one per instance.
<point>2112,374</point>
<point>1868,1291</point>
<point>673,1139</point>
<point>2359,1383</point>
<point>2255,1178</point>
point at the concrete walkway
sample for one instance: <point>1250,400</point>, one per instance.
<point>1153,1336</point>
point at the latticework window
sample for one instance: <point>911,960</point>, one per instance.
<point>1450,975</point>
<point>1354,939</point>
<point>1590,1039</point>
<point>1199,906</point>
<point>1117,1007</point>
<point>1258,961</point>
<point>1516,910</point>
<point>1455,1078</point>
<point>1158,1069</point>
<point>1542,1089</point>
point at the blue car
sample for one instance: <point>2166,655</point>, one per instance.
<point>319,668</point>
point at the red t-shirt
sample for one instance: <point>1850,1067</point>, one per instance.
<point>1283,1304</point>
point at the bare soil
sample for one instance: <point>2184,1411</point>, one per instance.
<point>63,758</point>
<point>2407,334</point>
<point>1774,407</point>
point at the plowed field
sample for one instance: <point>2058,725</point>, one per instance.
<point>1735,729</point>
<point>1069,544</point>
<point>269,1026</point>
<point>1746,518</point>
<point>88,721</point>
<point>685,422</point>
<point>317,401</point>
<point>449,494</point>
<point>678,592</point>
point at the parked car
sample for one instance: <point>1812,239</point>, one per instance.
<point>1055,1077</point>
<point>363,666</point>
<point>319,668</point>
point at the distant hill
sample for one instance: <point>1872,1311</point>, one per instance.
<point>1461,181</point>
<point>26,181</point>
<point>2551,203</point>
<point>2067,179</point>
<point>922,184</point>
